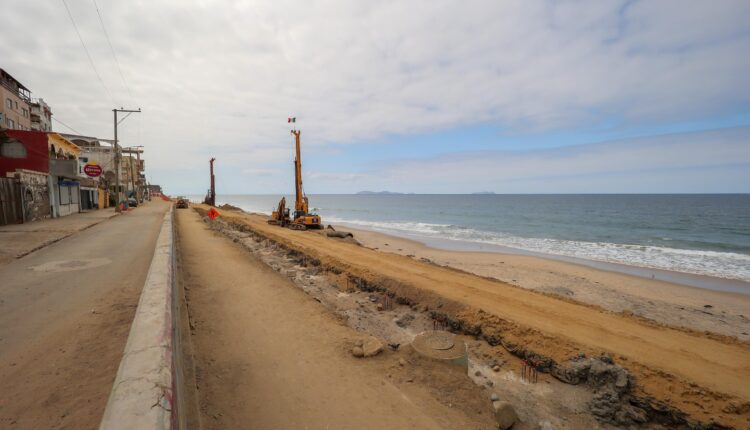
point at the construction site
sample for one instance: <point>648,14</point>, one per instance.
<point>485,353</point>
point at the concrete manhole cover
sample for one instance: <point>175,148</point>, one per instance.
<point>441,345</point>
<point>441,341</point>
<point>70,265</point>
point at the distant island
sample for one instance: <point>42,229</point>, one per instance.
<point>378,192</point>
<point>484,192</point>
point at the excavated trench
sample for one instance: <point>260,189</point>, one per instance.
<point>601,388</point>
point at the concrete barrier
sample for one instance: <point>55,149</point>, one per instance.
<point>143,394</point>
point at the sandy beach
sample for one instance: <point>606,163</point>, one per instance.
<point>663,302</point>
<point>693,373</point>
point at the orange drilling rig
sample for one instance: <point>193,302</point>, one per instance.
<point>301,218</point>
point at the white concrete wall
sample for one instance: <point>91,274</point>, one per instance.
<point>143,392</point>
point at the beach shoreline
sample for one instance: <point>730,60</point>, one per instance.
<point>666,299</point>
<point>663,300</point>
<point>703,282</point>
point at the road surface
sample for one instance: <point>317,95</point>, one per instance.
<point>65,313</point>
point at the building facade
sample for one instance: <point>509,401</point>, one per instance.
<point>15,112</point>
<point>65,179</point>
<point>41,115</point>
<point>24,179</point>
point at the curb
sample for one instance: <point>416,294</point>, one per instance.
<point>143,393</point>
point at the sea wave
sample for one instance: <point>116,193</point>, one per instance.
<point>727,265</point>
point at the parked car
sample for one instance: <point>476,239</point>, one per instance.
<point>182,203</point>
<point>133,203</point>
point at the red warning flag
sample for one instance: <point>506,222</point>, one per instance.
<point>213,213</point>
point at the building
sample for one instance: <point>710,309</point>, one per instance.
<point>15,112</point>
<point>24,178</point>
<point>99,152</point>
<point>41,115</point>
<point>64,174</point>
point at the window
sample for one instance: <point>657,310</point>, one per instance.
<point>12,148</point>
<point>9,103</point>
<point>11,123</point>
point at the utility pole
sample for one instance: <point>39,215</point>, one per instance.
<point>118,153</point>
<point>212,202</point>
<point>138,192</point>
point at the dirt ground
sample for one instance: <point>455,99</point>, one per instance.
<point>269,356</point>
<point>694,372</point>
<point>664,302</point>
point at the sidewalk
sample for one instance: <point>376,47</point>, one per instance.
<point>17,240</point>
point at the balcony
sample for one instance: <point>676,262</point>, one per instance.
<point>65,168</point>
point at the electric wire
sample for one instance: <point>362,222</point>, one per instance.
<point>91,60</point>
<point>112,49</point>
<point>67,126</point>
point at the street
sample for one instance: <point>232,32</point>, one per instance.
<point>65,314</point>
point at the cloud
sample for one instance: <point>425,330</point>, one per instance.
<point>715,161</point>
<point>218,79</point>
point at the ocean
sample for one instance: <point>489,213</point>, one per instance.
<point>705,235</point>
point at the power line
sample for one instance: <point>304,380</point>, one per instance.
<point>111,48</point>
<point>91,61</point>
<point>66,125</point>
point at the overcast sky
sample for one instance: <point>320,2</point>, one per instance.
<point>413,96</point>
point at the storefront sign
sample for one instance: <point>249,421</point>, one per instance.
<point>93,170</point>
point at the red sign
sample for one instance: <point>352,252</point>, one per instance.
<point>92,170</point>
<point>213,213</point>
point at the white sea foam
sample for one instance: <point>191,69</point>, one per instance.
<point>711,263</point>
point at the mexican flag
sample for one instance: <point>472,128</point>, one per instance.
<point>291,119</point>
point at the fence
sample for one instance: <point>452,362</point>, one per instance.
<point>11,205</point>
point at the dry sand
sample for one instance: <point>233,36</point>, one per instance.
<point>267,356</point>
<point>706,376</point>
<point>663,302</point>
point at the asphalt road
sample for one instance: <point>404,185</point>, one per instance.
<point>65,313</point>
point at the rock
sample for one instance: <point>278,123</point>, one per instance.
<point>505,415</point>
<point>372,347</point>
<point>494,397</point>
<point>358,352</point>
<point>380,307</point>
<point>604,404</point>
<point>734,407</point>
<point>405,320</point>
<point>546,425</point>
<point>496,368</point>
<point>606,359</point>
<point>401,362</point>
<point>477,373</point>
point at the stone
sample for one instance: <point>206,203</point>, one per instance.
<point>401,362</point>
<point>505,415</point>
<point>380,307</point>
<point>358,352</point>
<point>494,397</point>
<point>496,368</point>
<point>478,373</point>
<point>372,347</point>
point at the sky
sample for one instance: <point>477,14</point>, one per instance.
<point>407,96</point>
